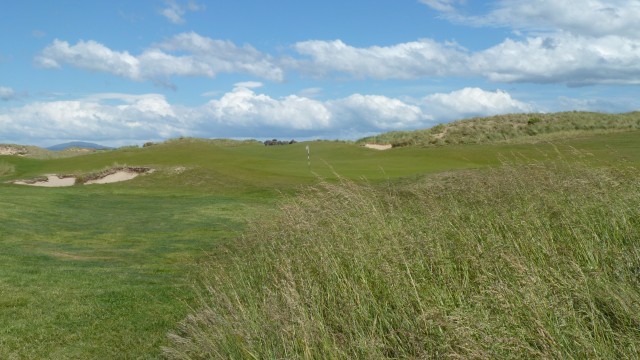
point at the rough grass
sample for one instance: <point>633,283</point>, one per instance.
<point>512,128</point>
<point>521,261</point>
<point>6,168</point>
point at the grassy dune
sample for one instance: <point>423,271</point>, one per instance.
<point>512,128</point>
<point>440,251</point>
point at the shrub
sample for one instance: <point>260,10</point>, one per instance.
<point>533,121</point>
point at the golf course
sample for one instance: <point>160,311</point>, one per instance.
<point>504,237</point>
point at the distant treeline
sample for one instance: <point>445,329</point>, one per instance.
<point>278,142</point>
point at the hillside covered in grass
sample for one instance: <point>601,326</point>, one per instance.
<point>511,128</point>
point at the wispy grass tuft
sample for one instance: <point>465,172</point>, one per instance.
<point>537,261</point>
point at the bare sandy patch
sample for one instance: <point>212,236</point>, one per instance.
<point>378,146</point>
<point>117,176</point>
<point>12,150</point>
<point>103,177</point>
<point>50,181</point>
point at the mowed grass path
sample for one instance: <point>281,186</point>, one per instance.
<point>106,271</point>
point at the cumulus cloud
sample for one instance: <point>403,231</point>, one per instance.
<point>243,108</point>
<point>473,102</point>
<point>561,58</point>
<point>7,93</point>
<point>241,112</point>
<point>576,42</point>
<point>378,112</point>
<point>90,55</point>
<point>551,58</point>
<point>580,17</point>
<point>175,12</point>
<point>135,117</point>
<point>186,54</point>
<point>401,61</point>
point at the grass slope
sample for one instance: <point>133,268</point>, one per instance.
<point>512,128</point>
<point>106,270</point>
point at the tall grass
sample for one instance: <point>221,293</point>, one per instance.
<point>537,261</point>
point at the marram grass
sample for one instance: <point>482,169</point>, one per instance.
<point>536,261</point>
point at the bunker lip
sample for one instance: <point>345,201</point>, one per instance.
<point>112,175</point>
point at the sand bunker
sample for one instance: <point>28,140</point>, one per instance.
<point>104,177</point>
<point>49,181</point>
<point>115,177</point>
<point>378,146</point>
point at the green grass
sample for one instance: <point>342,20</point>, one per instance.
<point>6,168</point>
<point>106,271</point>
<point>536,261</point>
<point>96,272</point>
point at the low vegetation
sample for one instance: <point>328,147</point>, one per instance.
<point>521,261</point>
<point>511,128</point>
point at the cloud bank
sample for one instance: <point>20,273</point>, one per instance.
<point>574,42</point>
<point>241,112</point>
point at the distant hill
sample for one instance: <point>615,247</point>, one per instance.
<point>511,128</point>
<point>78,144</point>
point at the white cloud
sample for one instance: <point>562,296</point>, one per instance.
<point>243,108</point>
<point>90,55</point>
<point>175,11</point>
<point>473,102</point>
<point>553,58</point>
<point>6,93</point>
<point>561,58</point>
<point>401,61</point>
<point>311,92</point>
<point>614,105</point>
<point>249,84</point>
<point>186,54</point>
<point>241,112</point>
<point>378,112</point>
<point>442,5</point>
<point>580,17</point>
<point>136,117</point>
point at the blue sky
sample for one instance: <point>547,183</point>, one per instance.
<point>125,72</point>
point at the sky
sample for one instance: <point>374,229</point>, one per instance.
<point>124,72</point>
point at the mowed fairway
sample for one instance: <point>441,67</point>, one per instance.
<point>106,271</point>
